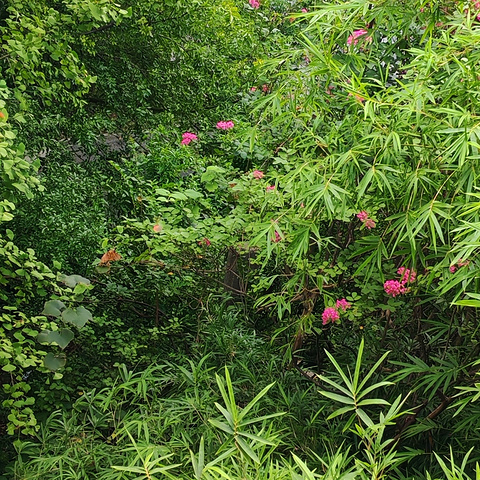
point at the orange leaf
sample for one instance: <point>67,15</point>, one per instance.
<point>110,256</point>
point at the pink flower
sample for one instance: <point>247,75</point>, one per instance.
<point>363,215</point>
<point>225,125</point>
<point>254,3</point>
<point>258,174</point>
<point>343,304</point>
<point>187,137</point>
<point>330,314</point>
<point>459,264</point>
<point>369,223</point>
<point>353,38</point>
<point>205,242</point>
<point>253,89</point>
<point>359,98</point>
<point>277,237</point>
<point>264,88</point>
<point>270,188</point>
<point>407,275</point>
<point>394,288</point>
<point>304,10</point>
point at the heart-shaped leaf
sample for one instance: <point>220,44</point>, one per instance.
<point>54,362</point>
<point>53,308</point>
<point>72,280</point>
<point>77,316</point>
<point>60,337</point>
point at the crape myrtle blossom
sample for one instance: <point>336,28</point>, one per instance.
<point>369,224</point>
<point>362,216</point>
<point>353,38</point>
<point>343,304</point>
<point>332,314</point>
<point>356,35</point>
<point>459,264</point>
<point>399,287</point>
<point>277,237</point>
<point>254,3</point>
<point>394,288</point>
<point>225,125</point>
<point>258,174</point>
<point>367,221</point>
<point>187,137</point>
<point>407,275</point>
<point>205,242</point>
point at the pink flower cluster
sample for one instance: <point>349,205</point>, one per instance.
<point>359,98</point>
<point>205,242</point>
<point>459,264</point>
<point>407,275</point>
<point>254,3</point>
<point>353,38</point>
<point>258,174</point>
<point>367,221</point>
<point>343,304</point>
<point>277,237</point>
<point>225,125</point>
<point>477,6</point>
<point>399,287</point>
<point>270,188</point>
<point>332,314</point>
<point>187,137</point>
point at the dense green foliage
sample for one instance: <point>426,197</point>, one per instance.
<point>239,240</point>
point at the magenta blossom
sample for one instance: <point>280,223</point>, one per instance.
<point>254,3</point>
<point>343,304</point>
<point>187,137</point>
<point>394,288</point>
<point>258,174</point>
<point>459,264</point>
<point>369,223</point>
<point>353,38</point>
<point>205,242</point>
<point>225,125</point>
<point>330,314</point>
<point>277,237</point>
<point>270,188</point>
<point>363,215</point>
<point>407,275</point>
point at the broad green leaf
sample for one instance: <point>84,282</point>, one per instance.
<point>72,280</point>
<point>54,362</point>
<point>59,337</point>
<point>77,316</point>
<point>53,308</point>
